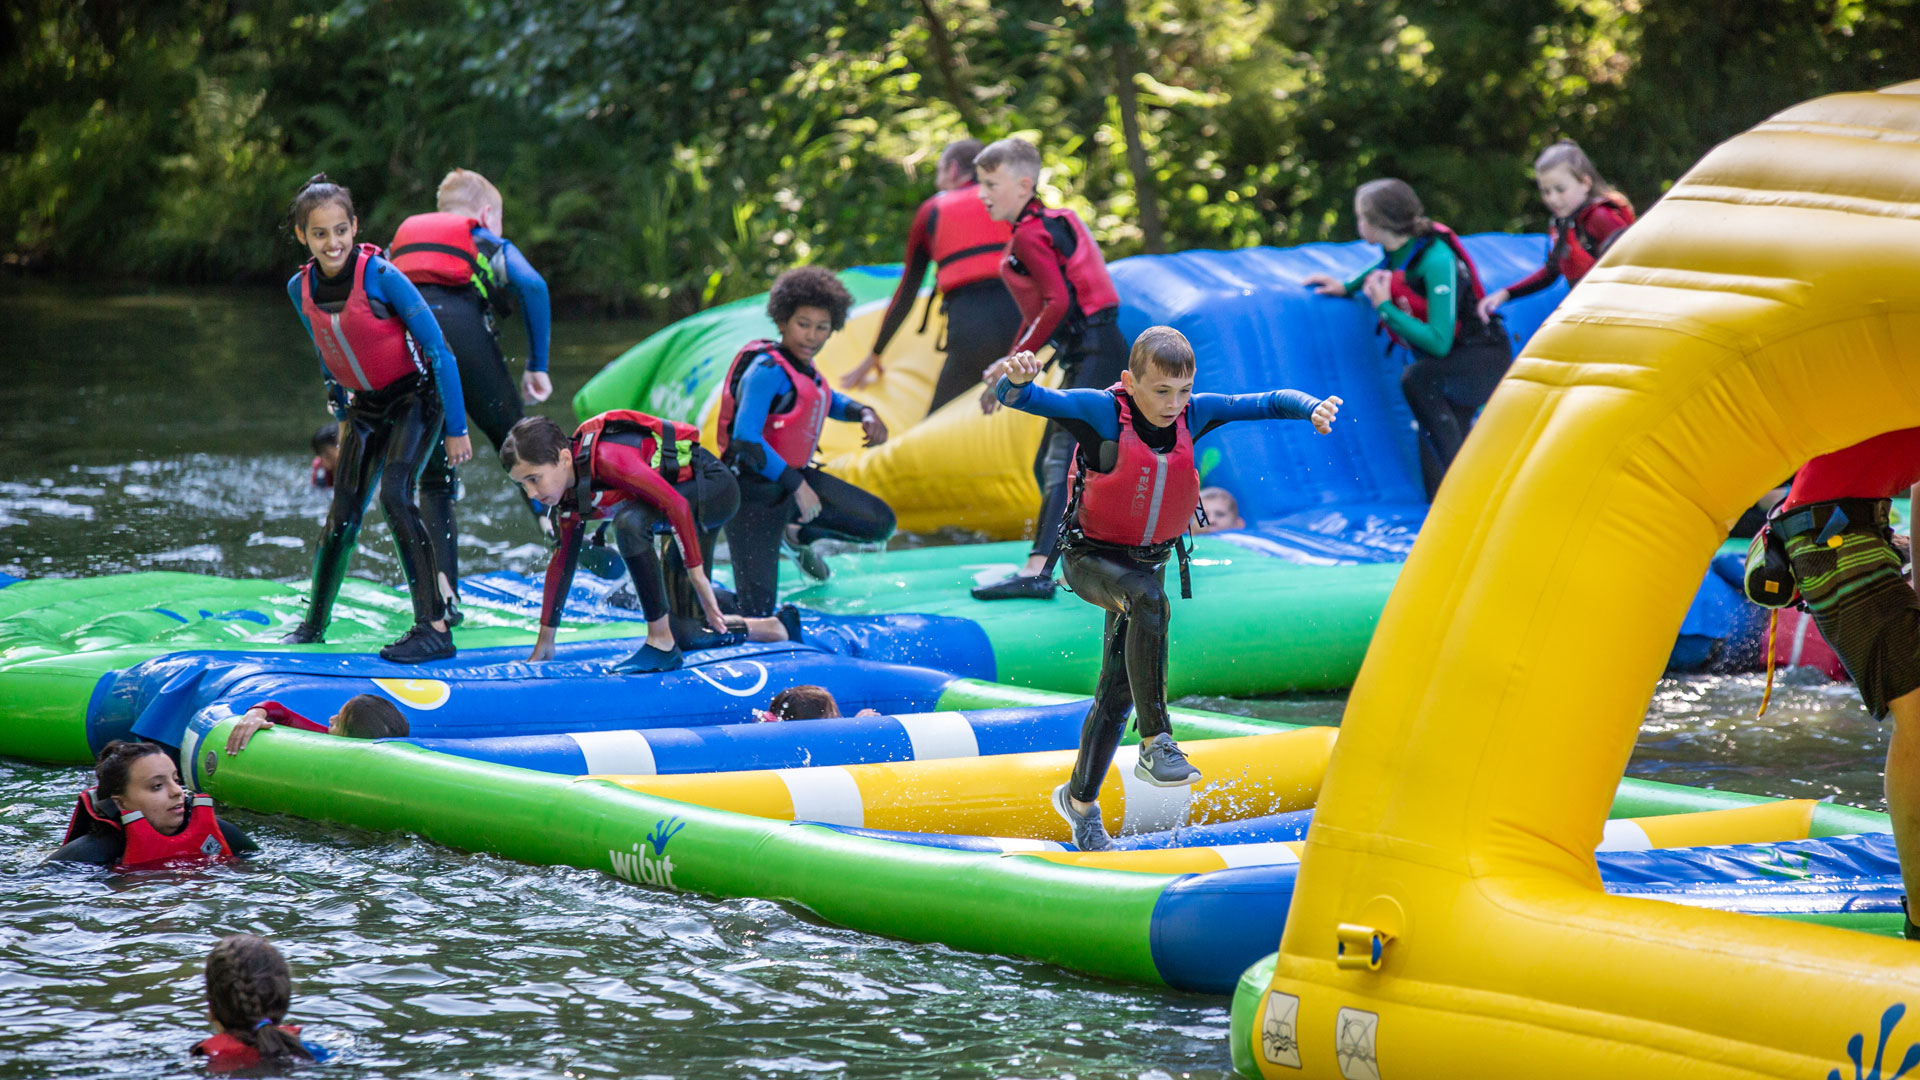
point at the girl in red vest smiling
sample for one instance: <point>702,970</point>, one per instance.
<point>1135,490</point>
<point>369,324</point>
<point>772,407</point>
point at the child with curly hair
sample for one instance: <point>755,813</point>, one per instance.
<point>772,408</point>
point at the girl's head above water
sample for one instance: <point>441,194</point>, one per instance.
<point>140,777</point>
<point>248,992</point>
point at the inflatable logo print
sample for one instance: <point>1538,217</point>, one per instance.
<point>1855,1045</point>
<point>664,831</point>
<point>736,671</point>
<point>637,866</point>
<point>424,694</point>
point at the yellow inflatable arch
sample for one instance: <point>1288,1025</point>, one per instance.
<point>1449,920</point>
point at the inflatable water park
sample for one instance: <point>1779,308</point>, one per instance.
<point>1455,880</point>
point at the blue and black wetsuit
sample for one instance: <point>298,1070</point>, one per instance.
<point>1129,583</point>
<point>390,435</point>
<point>767,484</point>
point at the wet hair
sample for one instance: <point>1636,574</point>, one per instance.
<point>535,440</point>
<point>1566,154</point>
<point>115,766</point>
<point>464,190</point>
<point>1162,349</point>
<point>326,437</point>
<point>1017,155</point>
<point>366,716</point>
<point>1391,205</point>
<point>317,192</point>
<point>249,990</point>
<point>809,286</point>
<point>961,154</point>
<point>804,703</point>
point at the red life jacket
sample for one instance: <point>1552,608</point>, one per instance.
<point>1415,302</point>
<point>362,350</point>
<point>967,244</point>
<point>199,839</point>
<point>1147,498</point>
<point>437,249</point>
<point>793,433</point>
<point>1574,248</point>
<point>668,445</point>
<point>225,1052</point>
<point>1084,269</point>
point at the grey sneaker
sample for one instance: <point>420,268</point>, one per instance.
<point>1089,834</point>
<point>1163,764</point>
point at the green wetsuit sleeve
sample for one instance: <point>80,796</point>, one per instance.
<point>1437,275</point>
<point>1353,287</point>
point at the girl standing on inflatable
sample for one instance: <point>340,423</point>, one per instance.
<point>772,407</point>
<point>138,813</point>
<point>1588,216</point>
<point>369,324</point>
<point>1415,289</point>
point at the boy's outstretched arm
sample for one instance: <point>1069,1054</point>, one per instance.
<point>1209,411</point>
<point>1017,390</point>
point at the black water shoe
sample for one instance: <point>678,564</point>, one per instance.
<point>304,634</point>
<point>1017,587</point>
<point>1163,764</point>
<point>789,617</point>
<point>419,645</point>
<point>647,660</point>
<point>811,562</point>
<point>1089,834</point>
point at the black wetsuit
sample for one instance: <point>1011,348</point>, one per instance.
<point>766,509</point>
<point>663,585</point>
<point>103,847</point>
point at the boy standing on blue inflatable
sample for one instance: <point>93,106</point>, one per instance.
<point>1134,490</point>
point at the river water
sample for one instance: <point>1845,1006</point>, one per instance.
<point>168,430</point>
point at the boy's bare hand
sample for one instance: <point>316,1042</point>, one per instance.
<point>1324,414</point>
<point>459,449</point>
<point>872,429</point>
<point>1022,368</point>
<point>863,373</point>
<point>535,387</point>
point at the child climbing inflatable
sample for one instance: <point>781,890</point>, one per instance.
<point>1134,490</point>
<point>1588,216</point>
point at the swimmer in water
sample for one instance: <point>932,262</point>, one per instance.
<point>138,813</point>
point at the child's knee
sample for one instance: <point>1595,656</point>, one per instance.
<point>1148,606</point>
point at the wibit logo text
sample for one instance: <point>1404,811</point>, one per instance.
<point>648,867</point>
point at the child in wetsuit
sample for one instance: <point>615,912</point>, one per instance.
<point>138,813</point>
<point>326,455</point>
<point>1588,216</point>
<point>369,323</point>
<point>772,407</point>
<point>471,276</point>
<point>249,991</point>
<point>642,474</point>
<point>1135,438</point>
<point>1056,273</point>
<point>1426,293</point>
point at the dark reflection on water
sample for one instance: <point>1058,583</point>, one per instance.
<point>169,431</point>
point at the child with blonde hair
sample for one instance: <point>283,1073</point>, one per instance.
<point>472,276</point>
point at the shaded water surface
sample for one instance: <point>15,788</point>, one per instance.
<point>169,431</point>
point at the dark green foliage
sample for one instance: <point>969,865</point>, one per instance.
<point>669,153</point>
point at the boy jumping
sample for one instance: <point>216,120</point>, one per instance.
<point>1135,488</point>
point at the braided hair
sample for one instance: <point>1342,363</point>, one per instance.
<point>248,992</point>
